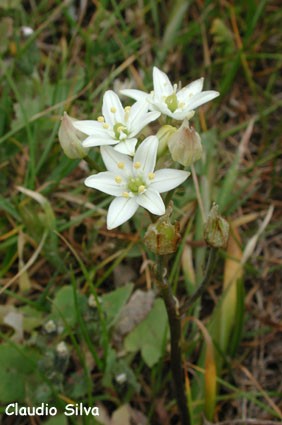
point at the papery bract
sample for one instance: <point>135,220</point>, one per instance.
<point>185,145</point>
<point>71,138</point>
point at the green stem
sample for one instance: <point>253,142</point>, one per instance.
<point>174,319</point>
<point>92,164</point>
<point>200,290</point>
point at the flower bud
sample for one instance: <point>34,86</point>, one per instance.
<point>185,145</point>
<point>216,231</point>
<point>164,134</point>
<point>70,139</point>
<point>162,237</point>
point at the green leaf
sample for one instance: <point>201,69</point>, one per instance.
<point>17,364</point>
<point>149,335</point>
<point>113,302</point>
<point>63,308</point>
<point>32,318</point>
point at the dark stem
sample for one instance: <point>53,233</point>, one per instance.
<point>174,319</point>
<point>200,290</point>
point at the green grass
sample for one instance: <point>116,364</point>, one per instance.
<point>70,59</point>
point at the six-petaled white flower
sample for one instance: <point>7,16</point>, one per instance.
<point>117,125</point>
<point>134,182</point>
<point>171,101</point>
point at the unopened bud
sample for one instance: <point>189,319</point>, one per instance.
<point>164,134</point>
<point>216,231</point>
<point>70,139</point>
<point>185,145</point>
<point>162,237</point>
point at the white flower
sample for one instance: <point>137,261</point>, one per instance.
<point>117,126</point>
<point>134,182</point>
<point>171,101</point>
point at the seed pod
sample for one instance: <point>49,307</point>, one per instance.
<point>216,231</point>
<point>162,237</point>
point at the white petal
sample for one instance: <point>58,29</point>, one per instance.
<point>167,179</point>
<point>146,154</point>
<point>135,94</point>
<point>88,127</point>
<point>162,84</point>
<point>98,141</point>
<point>105,182</point>
<point>190,90</point>
<point>137,111</point>
<point>181,114</point>
<point>112,108</point>
<point>201,98</point>
<point>160,105</point>
<point>127,147</point>
<point>152,201</point>
<point>121,210</point>
<point>143,121</point>
<point>113,160</point>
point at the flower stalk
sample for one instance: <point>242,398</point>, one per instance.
<point>174,318</point>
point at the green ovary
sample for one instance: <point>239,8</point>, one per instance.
<point>134,184</point>
<point>118,128</point>
<point>172,102</point>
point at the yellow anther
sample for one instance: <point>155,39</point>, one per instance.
<point>125,194</point>
<point>113,109</point>
<point>101,119</point>
<point>127,108</point>
<point>181,105</point>
<point>151,176</point>
<point>118,179</point>
<point>137,165</point>
<point>105,125</point>
<point>120,165</point>
<point>141,188</point>
<point>120,128</point>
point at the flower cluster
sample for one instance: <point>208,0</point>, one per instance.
<point>131,176</point>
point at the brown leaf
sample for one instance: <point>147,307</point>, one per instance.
<point>139,305</point>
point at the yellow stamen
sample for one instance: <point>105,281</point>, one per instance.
<point>105,125</point>
<point>120,165</point>
<point>137,165</point>
<point>101,119</point>
<point>127,108</point>
<point>151,176</point>
<point>113,109</point>
<point>125,194</point>
<point>141,188</point>
<point>118,179</point>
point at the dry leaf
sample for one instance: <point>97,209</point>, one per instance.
<point>138,307</point>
